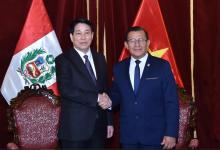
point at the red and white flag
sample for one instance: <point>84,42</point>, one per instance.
<point>149,17</point>
<point>33,59</point>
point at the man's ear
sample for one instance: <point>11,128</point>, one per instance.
<point>71,37</point>
<point>126,44</point>
<point>92,34</point>
<point>148,43</point>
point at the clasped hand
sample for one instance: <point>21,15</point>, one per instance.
<point>104,101</point>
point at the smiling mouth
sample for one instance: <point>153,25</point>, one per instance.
<point>137,49</point>
<point>83,43</point>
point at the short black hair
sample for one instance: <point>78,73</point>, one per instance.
<point>80,20</point>
<point>135,28</point>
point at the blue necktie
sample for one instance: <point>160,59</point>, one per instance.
<point>136,76</point>
<point>89,68</point>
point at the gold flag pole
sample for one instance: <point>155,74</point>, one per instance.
<point>192,47</point>
<point>192,54</point>
<point>87,9</point>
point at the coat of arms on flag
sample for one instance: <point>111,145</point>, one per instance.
<point>33,59</point>
<point>37,67</point>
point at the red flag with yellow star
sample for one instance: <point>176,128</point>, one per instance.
<point>149,17</point>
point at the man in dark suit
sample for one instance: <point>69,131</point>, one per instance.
<point>145,88</point>
<point>82,80</point>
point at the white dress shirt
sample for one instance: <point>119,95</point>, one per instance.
<point>89,54</point>
<point>132,67</point>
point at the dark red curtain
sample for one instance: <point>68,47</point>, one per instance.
<point>115,16</point>
<point>207,72</point>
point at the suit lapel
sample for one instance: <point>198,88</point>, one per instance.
<point>127,75</point>
<point>78,63</point>
<point>97,66</point>
<point>145,72</point>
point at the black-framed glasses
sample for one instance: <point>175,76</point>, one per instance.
<point>133,41</point>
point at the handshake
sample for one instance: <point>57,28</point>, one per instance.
<point>104,101</point>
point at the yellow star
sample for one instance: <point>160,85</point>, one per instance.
<point>158,53</point>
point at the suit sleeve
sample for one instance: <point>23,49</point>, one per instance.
<point>114,92</point>
<point>171,103</point>
<point>67,90</point>
<point>105,74</point>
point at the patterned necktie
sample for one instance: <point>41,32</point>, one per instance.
<point>136,76</point>
<point>89,68</point>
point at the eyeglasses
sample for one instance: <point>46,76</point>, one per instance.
<point>133,41</point>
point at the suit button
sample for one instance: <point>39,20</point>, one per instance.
<point>137,117</point>
<point>135,102</point>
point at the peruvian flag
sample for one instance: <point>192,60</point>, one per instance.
<point>33,59</point>
<point>149,17</point>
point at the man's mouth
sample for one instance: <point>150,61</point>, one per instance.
<point>83,43</point>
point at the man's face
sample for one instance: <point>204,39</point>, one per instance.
<point>137,44</point>
<point>82,37</point>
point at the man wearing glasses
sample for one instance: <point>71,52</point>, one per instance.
<point>145,89</point>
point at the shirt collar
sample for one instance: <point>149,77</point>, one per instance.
<point>143,59</point>
<point>88,53</point>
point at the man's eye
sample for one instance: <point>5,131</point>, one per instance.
<point>87,33</point>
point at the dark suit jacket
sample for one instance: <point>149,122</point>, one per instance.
<point>153,112</point>
<point>79,95</point>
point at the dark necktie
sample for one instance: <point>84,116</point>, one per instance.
<point>89,68</point>
<point>136,76</point>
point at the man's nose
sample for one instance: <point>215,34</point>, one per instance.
<point>137,43</point>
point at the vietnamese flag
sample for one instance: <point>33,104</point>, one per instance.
<point>149,17</point>
<point>33,59</point>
